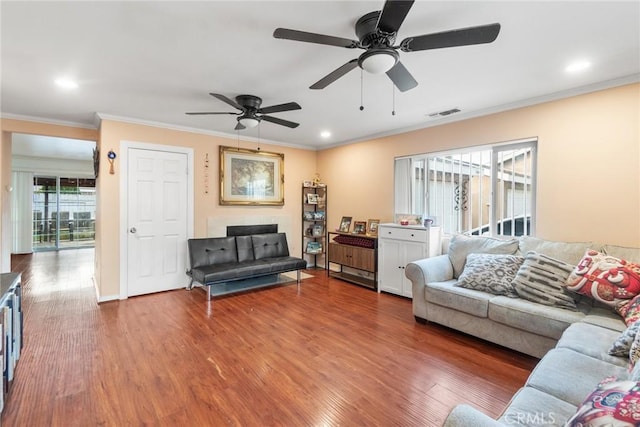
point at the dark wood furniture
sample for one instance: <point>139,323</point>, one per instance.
<point>356,256</point>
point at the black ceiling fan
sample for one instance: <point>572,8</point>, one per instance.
<point>377,32</point>
<point>250,112</point>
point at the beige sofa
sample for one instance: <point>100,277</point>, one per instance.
<point>572,344</point>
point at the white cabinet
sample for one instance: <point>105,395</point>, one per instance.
<point>398,245</point>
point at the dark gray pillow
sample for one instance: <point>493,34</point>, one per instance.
<point>491,273</point>
<point>542,279</point>
<point>270,245</point>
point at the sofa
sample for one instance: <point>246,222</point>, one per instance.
<point>230,264</point>
<point>573,341</point>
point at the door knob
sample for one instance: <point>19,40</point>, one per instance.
<point>132,230</point>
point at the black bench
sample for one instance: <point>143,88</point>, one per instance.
<point>227,264</point>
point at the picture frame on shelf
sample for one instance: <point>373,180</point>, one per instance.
<point>360,227</point>
<point>318,230</point>
<point>372,227</point>
<point>318,215</point>
<point>251,177</point>
<point>312,198</point>
<point>314,247</point>
<point>308,215</point>
<point>345,224</point>
<point>307,184</point>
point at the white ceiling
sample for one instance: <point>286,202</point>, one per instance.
<point>151,62</point>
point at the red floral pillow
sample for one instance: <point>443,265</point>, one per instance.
<point>614,403</point>
<point>605,278</point>
<point>630,310</point>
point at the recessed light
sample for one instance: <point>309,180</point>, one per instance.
<point>66,83</point>
<point>325,134</point>
<point>577,66</point>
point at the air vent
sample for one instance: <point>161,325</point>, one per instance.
<point>444,113</point>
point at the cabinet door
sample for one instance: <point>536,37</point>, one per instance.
<point>412,251</point>
<point>391,272</point>
<point>363,258</point>
<point>338,254</point>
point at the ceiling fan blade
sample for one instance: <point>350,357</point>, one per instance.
<point>239,127</point>
<point>393,15</point>
<point>335,75</point>
<point>227,101</point>
<point>206,113</point>
<point>401,77</point>
<point>278,121</point>
<point>460,37</point>
<point>289,106</point>
<point>303,36</point>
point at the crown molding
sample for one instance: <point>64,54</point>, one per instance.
<point>47,121</point>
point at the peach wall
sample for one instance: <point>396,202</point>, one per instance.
<point>588,164</point>
<point>299,165</point>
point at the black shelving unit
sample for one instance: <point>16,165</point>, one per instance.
<point>314,224</point>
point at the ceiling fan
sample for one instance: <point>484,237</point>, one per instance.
<point>377,32</point>
<point>250,112</point>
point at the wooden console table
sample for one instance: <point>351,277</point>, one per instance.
<point>357,252</point>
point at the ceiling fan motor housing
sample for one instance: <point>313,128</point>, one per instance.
<point>249,102</point>
<point>368,33</point>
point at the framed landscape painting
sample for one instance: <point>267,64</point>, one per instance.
<point>251,177</point>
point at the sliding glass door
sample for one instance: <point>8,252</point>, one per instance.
<point>63,212</point>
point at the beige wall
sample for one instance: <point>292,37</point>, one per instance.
<point>299,165</point>
<point>588,165</point>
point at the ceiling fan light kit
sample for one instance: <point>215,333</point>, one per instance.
<point>248,122</point>
<point>378,61</point>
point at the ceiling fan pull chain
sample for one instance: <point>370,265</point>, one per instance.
<point>361,90</point>
<point>393,97</point>
<point>259,126</point>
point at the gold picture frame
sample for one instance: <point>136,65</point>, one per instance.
<point>372,227</point>
<point>345,224</point>
<point>251,177</point>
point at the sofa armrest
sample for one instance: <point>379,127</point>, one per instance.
<point>423,271</point>
<point>465,416</point>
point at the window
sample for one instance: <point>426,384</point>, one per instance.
<point>488,190</point>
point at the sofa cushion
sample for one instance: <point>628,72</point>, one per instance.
<point>569,252</point>
<point>245,248</point>
<point>269,245</point>
<point>461,246</point>
<point>592,341</point>
<point>490,273</point>
<point>212,250</point>
<point>604,317</point>
<point>215,273</point>
<point>571,376</point>
<point>529,316</point>
<point>541,279</point>
<point>531,407</point>
<point>286,263</point>
<point>613,403</point>
<point>622,252</point>
<point>605,278</point>
<point>461,299</point>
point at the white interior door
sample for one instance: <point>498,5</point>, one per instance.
<point>156,220</point>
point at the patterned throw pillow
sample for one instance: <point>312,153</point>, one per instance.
<point>629,310</point>
<point>622,345</point>
<point>542,279</point>
<point>491,273</point>
<point>634,352</point>
<point>605,278</point>
<point>614,403</point>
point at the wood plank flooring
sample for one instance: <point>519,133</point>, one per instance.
<point>326,354</point>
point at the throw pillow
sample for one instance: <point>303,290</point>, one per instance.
<point>629,310</point>
<point>461,246</point>
<point>491,273</point>
<point>622,345</point>
<point>541,279</point>
<point>634,352</point>
<point>604,278</point>
<point>614,403</point>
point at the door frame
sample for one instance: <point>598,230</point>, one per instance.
<point>124,190</point>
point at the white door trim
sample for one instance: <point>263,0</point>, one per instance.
<point>124,167</point>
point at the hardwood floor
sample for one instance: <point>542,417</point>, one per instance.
<point>329,353</point>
